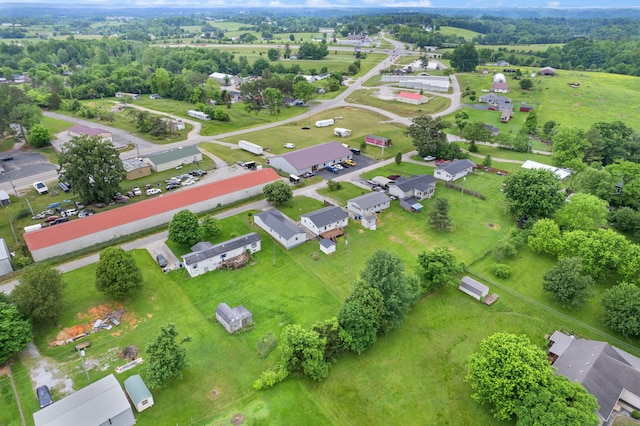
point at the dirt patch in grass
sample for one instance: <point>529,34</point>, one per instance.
<point>577,104</point>
<point>493,226</point>
<point>395,239</point>
<point>69,332</point>
<point>100,311</point>
<point>413,235</point>
<point>237,419</point>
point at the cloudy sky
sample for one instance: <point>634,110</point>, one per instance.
<point>349,3</point>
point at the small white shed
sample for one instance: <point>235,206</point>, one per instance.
<point>473,288</point>
<point>327,246</point>
<point>138,393</point>
<point>5,200</point>
<point>369,222</point>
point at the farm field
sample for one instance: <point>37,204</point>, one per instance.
<point>361,122</point>
<point>599,97</point>
<point>468,35</point>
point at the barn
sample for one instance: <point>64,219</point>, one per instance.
<point>473,288</point>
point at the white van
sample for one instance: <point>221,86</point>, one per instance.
<point>294,179</point>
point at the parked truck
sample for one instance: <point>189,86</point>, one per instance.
<point>251,147</point>
<point>325,123</point>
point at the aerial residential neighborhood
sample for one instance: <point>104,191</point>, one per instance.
<point>272,217</point>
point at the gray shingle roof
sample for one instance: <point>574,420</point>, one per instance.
<point>228,314</point>
<point>326,215</point>
<point>275,220</point>
<point>221,248</point>
<point>370,200</point>
<point>602,369</point>
<point>418,182</point>
<point>317,154</point>
<point>174,154</point>
<point>456,166</point>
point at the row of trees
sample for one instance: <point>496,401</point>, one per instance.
<point>377,304</point>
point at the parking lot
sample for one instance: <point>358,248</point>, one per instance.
<point>24,165</point>
<point>361,161</point>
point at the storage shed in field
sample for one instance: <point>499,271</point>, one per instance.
<point>233,319</point>
<point>473,288</point>
<point>138,393</point>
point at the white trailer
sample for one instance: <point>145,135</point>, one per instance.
<point>341,132</point>
<point>325,123</point>
<point>198,114</point>
<point>251,147</point>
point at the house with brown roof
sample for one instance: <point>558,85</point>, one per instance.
<point>80,130</point>
<point>311,159</point>
<point>78,234</point>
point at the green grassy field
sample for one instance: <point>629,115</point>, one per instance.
<point>600,97</point>
<point>361,122</point>
<point>466,34</point>
<point>368,97</point>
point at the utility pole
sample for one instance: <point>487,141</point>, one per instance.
<point>84,367</point>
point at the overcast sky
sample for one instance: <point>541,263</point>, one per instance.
<point>350,3</point>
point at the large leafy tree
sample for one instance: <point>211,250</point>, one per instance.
<point>569,143</point>
<point>603,252</point>
<point>583,211</point>
<point>117,273</point>
<point>545,237</point>
<point>598,182</point>
<point>622,309</point>
<point>436,268</point>
<point>39,294</point>
<point>15,331</point>
<point>39,136</point>
<point>504,370</point>
<point>304,90</point>
<point>92,167</point>
<point>464,58</point>
<point>185,228</point>
<point>428,135</point>
<point>302,353</point>
<point>384,271</point>
<point>278,192</point>
<point>533,193</point>
<point>360,316</point>
<point>560,402</point>
<point>166,357</point>
<point>273,99</point>
<point>568,283</point>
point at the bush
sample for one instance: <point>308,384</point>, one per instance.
<point>268,378</point>
<point>334,186</point>
<point>23,213</point>
<point>503,250</point>
<point>501,270</point>
<point>266,344</point>
<point>635,414</point>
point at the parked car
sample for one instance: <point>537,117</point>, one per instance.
<point>51,219</point>
<point>172,186</point>
<point>161,261</point>
<point>198,173</point>
<point>85,213</point>
<point>130,194</point>
<point>136,191</point>
<point>429,158</point>
<point>332,169</point>
<point>289,145</point>
<point>41,187</point>
<point>188,182</point>
<point>350,162</point>
<point>99,205</point>
<point>6,157</point>
<point>79,205</point>
<point>356,151</point>
<point>123,199</point>
<point>63,186</point>
<point>308,174</point>
<point>338,166</point>
<point>39,216</point>
<point>71,212</point>
<point>59,220</point>
<point>501,173</point>
<point>44,396</point>
<point>153,191</point>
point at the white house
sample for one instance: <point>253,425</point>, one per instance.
<point>101,403</point>
<point>558,171</point>
<point>453,170</point>
<point>280,228</point>
<point>368,204</point>
<point>325,219</point>
<point>222,78</point>
<point>418,187</point>
<point>205,257</point>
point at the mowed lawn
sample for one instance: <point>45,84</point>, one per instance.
<point>361,122</point>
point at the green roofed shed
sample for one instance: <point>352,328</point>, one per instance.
<point>138,393</point>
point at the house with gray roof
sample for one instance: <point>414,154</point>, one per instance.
<point>311,159</point>
<point>368,204</point>
<point>205,257</point>
<point>101,403</point>
<point>453,170</point>
<point>473,288</point>
<point>325,219</point>
<point>417,186</point>
<point>608,373</point>
<point>233,319</point>
<point>281,228</point>
<point>173,158</point>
